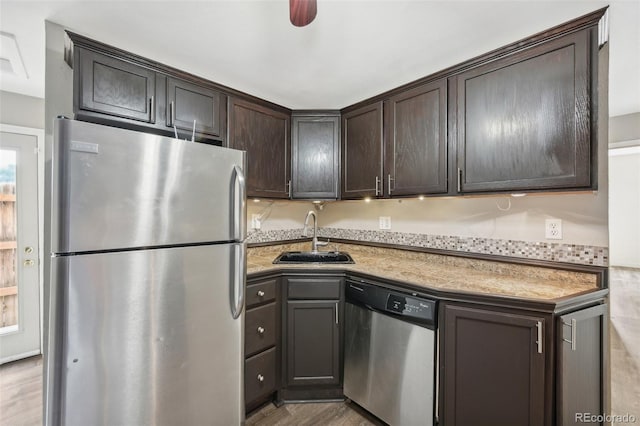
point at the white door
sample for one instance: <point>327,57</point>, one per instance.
<point>19,263</point>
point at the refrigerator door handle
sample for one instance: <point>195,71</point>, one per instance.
<point>239,277</point>
<point>238,205</point>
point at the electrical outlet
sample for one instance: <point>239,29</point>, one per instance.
<point>553,229</point>
<point>385,222</point>
<point>255,221</point>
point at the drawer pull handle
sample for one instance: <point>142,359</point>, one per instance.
<point>260,330</point>
<point>260,293</point>
<point>260,378</point>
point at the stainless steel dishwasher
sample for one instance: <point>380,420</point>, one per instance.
<point>389,366</point>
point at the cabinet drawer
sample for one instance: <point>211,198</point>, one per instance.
<point>260,328</point>
<point>260,375</point>
<point>314,288</point>
<point>261,293</point>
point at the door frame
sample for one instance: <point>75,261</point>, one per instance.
<point>39,134</point>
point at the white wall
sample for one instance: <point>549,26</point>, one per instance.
<point>21,110</point>
<point>278,214</point>
<point>584,216</point>
<point>624,189</point>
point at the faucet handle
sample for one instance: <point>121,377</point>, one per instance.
<point>323,243</point>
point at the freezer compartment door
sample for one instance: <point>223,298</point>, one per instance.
<point>115,188</point>
<point>149,338</point>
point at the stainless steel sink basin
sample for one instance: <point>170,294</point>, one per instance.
<point>311,257</point>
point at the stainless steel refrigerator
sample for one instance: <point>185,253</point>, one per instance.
<point>147,276</point>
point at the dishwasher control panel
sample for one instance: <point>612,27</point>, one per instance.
<point>410,307</point>
<point>419,309</point>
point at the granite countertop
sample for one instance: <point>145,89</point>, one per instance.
<point>440,272</point>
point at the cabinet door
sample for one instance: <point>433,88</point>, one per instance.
<point>187,102</point>
<point>362,174</point>
<point>264,134</point>
<point>581,339</point>
<point>523,122</point>
<point>493,368</point>
<point>315,150</point>
<point>416,142</point>
<point>107,85</point>
<point>313,343</point>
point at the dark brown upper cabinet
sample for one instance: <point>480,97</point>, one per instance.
<point>524,121</point>
<point>362,172</point>
<point>187,102</point>
<point>264,134</point>
<point>416,141</point>
<point>315,154</point>
<point>493,368</point>
<point>107,85</point>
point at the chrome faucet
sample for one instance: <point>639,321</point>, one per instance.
<point>314,242</point>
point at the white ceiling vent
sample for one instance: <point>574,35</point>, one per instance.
<point>10,58</point>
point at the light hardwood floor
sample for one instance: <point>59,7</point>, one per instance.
<point>21,381</point>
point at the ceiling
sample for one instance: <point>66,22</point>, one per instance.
<point>353,50</point>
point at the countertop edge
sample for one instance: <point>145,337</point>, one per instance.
<point>550,306</point>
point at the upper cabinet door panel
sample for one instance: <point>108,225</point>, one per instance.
<point>264,134</point>
<point>524,122</point>
<point>115,87</point>
<point>315,149</point>
<point>362,152</point>
<point>415,149</point>
<point>187,102</point>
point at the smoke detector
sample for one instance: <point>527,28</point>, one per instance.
<point>11,62</point>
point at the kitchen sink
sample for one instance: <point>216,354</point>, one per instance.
<point>314,257</point>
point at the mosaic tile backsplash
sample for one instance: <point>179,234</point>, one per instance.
<point>554,252</point>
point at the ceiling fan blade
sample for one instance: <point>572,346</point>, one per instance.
<point>302,12</point>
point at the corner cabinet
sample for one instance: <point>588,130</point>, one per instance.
<point>524,122</point>
<point>362,172</point>
<point>416,141</point>
<point>264,134</point>
<point>315,156</point>
<point>313,337</point>
<point>493,368</point>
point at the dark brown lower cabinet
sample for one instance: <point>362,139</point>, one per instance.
<point>262,333</point>
<point>493,367</point>
<point>312,340</point>
<point>581,339</point>
<point>313,343</point>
